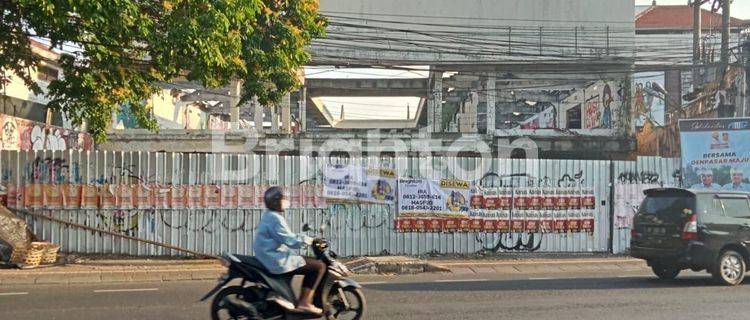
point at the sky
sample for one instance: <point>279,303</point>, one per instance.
<point>740,8</point>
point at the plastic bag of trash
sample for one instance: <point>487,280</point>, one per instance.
<point>13,230</point>
<point>5,251</point>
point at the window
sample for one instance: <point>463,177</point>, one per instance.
<point>666,206</point>
<point>709,205</point>
<point>574,117</point>
<point>47,73</point>
<point>736,207</point>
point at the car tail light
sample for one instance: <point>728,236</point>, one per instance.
<point>633,233</point>
<point>690,232</point>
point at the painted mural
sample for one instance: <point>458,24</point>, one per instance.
<point>21,134</point>
<point>601,105</point>
<point>648,102</point>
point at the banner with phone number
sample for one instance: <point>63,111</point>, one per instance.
<point>352,183</point>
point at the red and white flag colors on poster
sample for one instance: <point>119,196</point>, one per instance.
<point>498,209</point>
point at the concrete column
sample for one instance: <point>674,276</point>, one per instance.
<point>673,86</point>
<point>286,114</point>
<point>303,109</point>
<point>431,111</point>
<point>235,88</point>
<point>257,115</point>
<point>437,90</point>
<point>274,119</point>
<point>491,95</point>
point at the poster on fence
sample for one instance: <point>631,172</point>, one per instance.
<point>160,194</point>
<point>53,196</point>
<point>716,153</point>
<point>351,183</point>
<point>628,198</point>
<point>177,197</point>
<point>428,198</point>
<point>72,194</point>
<point>496,209</point>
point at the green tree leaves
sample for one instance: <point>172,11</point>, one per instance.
<point>128,46</point>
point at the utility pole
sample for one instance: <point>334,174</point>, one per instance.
<point>725,19</point>
<point>697,25</point>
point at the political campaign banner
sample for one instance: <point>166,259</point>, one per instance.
<point>428,198</point>
<point>352,183</point>
<point>495,209</point>
<point>716,153</point>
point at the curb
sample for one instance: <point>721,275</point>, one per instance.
<point>550,268</point>
<point>38,277</point>
<point>86,277</point>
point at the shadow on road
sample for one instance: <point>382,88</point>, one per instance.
<point>548,284</point>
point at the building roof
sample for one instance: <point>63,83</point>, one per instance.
<point>677,17</point>
<point>640,9</point>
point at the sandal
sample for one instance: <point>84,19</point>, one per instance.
<point>308,311</point>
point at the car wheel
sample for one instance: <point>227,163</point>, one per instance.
<point>664,272</point>
<point>730,268</point>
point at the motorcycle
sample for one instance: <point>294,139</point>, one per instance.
<point>261,295</point>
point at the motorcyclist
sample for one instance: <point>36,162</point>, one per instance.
<point>273,243</point>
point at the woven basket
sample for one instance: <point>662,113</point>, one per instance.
<point>35,253</point>
<point>50,253</point>
<point>18,255</point>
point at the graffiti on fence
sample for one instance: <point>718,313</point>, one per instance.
<point>54,170</point>
<point>198,221</point>
<point>7,174</point>
<point>513,242</point>
<point>127,222</point>
<point>568,181</point>
<point>634,177</point>
<point>370,219</point>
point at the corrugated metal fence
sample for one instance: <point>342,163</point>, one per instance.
<point>355,230</point>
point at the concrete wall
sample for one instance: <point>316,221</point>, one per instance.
<point>169,111</point>
<point>434,28</point>
<point>23,103</point>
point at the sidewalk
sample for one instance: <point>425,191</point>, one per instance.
<point>113,271</point>
<point>533,266</point>
<point>109,271</point>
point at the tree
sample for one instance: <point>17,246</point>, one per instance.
<point>125,48</point>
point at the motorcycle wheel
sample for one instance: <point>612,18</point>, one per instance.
<point>338,309</point>
<point>244,306</point>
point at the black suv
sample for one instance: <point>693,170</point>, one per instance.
<point>677,229</point>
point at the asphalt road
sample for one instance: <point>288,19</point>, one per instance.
<point>568,296</point>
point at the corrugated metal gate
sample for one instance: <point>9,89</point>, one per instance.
<point>355,230</point>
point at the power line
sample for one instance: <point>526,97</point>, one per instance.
<point>333,14</point>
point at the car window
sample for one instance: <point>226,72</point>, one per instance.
<point>709,205</point>
<point>666,207</point>
<point>736,207</point>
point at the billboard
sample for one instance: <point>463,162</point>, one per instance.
<point>716,153</point>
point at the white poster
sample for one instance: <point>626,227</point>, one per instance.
<point>351,183</point>
<point>628,198</point>
<point>423,197</point>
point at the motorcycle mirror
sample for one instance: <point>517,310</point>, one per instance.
<point>306,227</point>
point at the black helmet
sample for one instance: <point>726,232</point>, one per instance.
<point>272,198</point>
